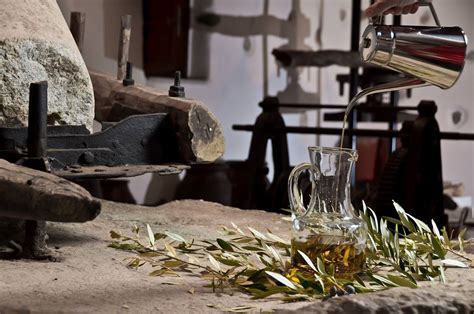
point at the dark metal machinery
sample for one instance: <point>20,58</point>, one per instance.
<point>413,176</point>
<point>136,145</point>
<point>73,153</point>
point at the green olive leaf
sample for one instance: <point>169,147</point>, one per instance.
<point>281,279</point>
<point>402,282</point>
<point>225,245</point>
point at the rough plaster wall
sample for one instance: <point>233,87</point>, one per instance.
<point>236,76</point>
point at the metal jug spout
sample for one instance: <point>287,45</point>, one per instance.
<point>387,87</point>
<point>426,55</point>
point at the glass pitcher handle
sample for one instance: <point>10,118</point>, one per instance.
<point>294,193</point>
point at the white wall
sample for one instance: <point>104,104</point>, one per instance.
<point>236,76</point>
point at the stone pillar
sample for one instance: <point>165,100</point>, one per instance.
<point>36,45</point>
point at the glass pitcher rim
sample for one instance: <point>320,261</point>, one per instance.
<point>350,151</point>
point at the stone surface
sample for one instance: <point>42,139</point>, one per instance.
<point>92,278</point>
<point>36,45</point>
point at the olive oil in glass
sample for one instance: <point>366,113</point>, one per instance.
<point>327,227</point>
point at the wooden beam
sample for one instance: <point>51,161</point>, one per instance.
<point>77,26</point>
<point>36,195</point>
<point>323,58</point>
<point>199,134</point>
<point>124,46</point>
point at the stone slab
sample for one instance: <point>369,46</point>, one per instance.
<point>92,278</point>
<point>36,45</point>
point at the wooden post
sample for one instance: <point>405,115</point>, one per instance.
<point>124,46</point>
<point>78,22</point>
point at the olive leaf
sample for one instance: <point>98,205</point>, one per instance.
<point>257,234</point>
<point>215,264</point>
<point>171,249</point>
<point>224,245</point>
<point>402,282</point>
<point>307,260</point>
<point>175,236</point>
<point>281,279</point>
<point>151,236</point>
<point>454,263</point>
<point>399,252</point>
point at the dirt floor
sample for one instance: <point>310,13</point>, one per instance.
<point>92,278</point>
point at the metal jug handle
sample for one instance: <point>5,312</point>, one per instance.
<point>422,3</point>
<point>425,3</point>
<point>376,20</point>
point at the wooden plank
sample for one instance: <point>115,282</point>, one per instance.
<point>323,58</point>
<point>77,26</point>
<point>124,46</point>
<point>36,195</point>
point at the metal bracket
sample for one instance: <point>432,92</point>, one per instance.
<point>137,140</point>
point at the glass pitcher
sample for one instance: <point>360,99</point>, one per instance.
<point>327,228</point>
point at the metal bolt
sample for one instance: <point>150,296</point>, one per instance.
<point>87,158</point>
<point>128,80</point>
<point>176,90</point>
<point>177,78</point>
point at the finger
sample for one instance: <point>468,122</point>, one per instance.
<point>414,8</point>
<point>406,9</point>
<point>397,10</point>
<point>378,8</point>
<point>404,3</point>
<point>389,11</point>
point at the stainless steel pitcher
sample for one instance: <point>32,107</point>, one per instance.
<point>426,55</point>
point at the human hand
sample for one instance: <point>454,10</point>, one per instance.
<point>396,7</point>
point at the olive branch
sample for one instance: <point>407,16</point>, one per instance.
<point>399,252</point>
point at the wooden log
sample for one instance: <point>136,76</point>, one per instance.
<point>77,26</point>
<point>199,134</point>
<point>36,195</point>
<point>124,46</point>
<point>323,58</point>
